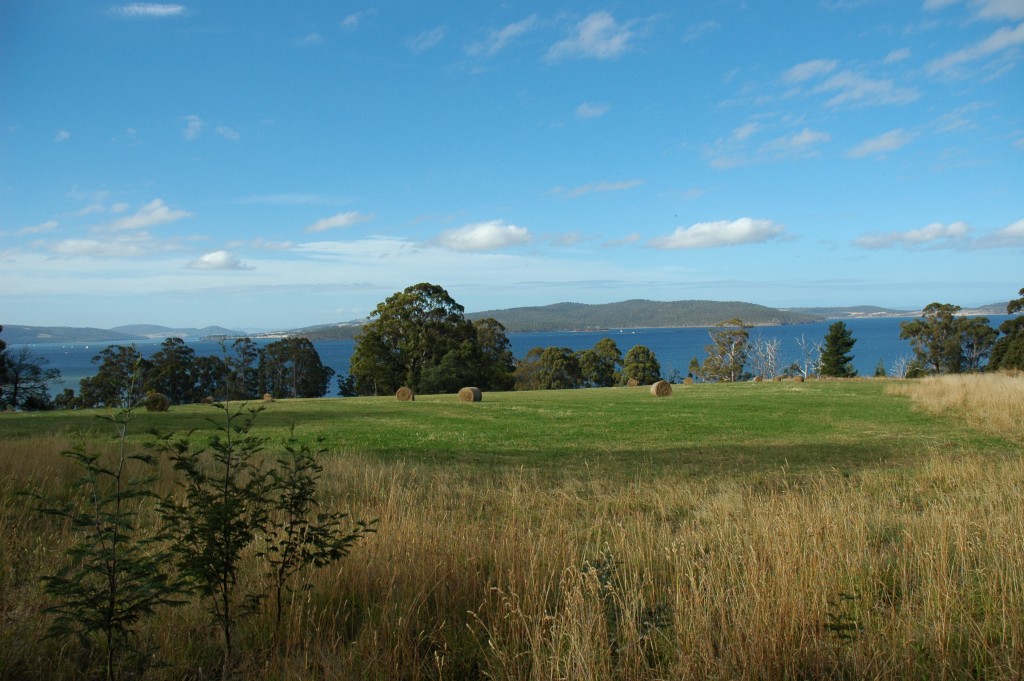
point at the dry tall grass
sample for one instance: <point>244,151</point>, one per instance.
<point>884,574</point>
<point>991,402</point>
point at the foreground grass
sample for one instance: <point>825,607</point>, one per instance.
<point>821,530</point>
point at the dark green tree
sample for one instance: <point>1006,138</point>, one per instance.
<point>118,380</point>
<point>836,359</point>
<point>26,380</point>
<point>880,371</point>
<point>727,353</point>
<point>944,343</point>
<point>558,369</point>
<point>497,364</point>
<point>420,338</point>
<point>1008,350</point>
<point>242,365</point>
<point>210,373</point>
<point>527,373</point>
<point>600,364</point>
<point>640,364</point>
<point>291,367</point>
<point>172,372</point>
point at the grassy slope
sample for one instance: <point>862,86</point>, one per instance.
<point>702,429</point>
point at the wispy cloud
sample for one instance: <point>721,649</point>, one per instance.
<point>809,70</point>
<point>338,221</point>
<point>62,136</point>
<point>352,21</point>
<point>934,235</point>
<point>591,110</point>
<point>899,55</point>
<point>498,40</point>
<point>986,9</point>
<point>1011,236</point>
<point>596,188</point>
<point>427,39</point>
<point>856,89</point>
<point>798,145</point>
<point>698,31</point>
<point>1001,40</point>
<point>313,39</point>
<point>228,134</point>
<point>884,143</point>
<point>193,127</point>
<point>42,228</point>
<point>218,260</point>
<point>484,236</point>
<point>720,233</point>
<point>156,212</point>
<point>598,36</point>
<point>149,10</point>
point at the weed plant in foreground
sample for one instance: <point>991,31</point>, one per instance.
<point>896,555</point>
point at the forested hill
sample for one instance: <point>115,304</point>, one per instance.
<point>638,314</point>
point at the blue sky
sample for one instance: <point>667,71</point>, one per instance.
<point>275,165</point>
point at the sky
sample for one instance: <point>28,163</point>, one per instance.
<point>271,165</point>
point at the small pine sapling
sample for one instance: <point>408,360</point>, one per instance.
<point>117,573</point>
<point>296,538</point>
<point>227,499</point>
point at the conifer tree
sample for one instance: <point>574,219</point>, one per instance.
<point>836,359</point>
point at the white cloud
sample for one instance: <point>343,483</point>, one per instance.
<point>62,136</point>
<point>340,220</point>
<point>720,233</point>
<point>888,141</point>
<point>228,133</point>
<point>313,39</point>
<point>897,55</point>
<point>484,236</point>
<point>424,41</point>
<point>193,127</point>
<point>498,40</point>
<point>597,187</point>
<point>796,145</point>
<point>47,226</point>
<point>745,131</point>
<point>598,36</point>
<point>986,9</point>
<point>588,110</point>
<point>698,31</point>
<point>149,10</point>
<point>856,89</point>
<point>936,235</point>
<point>153,213</point>
<point>218,260</point>
<point>119,207</point>
<point>1002,39</point>
<point>1011,236</point>
<point>809,69</point>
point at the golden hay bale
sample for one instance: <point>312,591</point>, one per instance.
<point>470,395</point>
<point>157,402</point>
<point>777,379</point>
<point>798,379</point>
<point>758,379</point>
<point>405,394</point>
<point>267,397</point>
<point>632,383</point>
<point>661,389</point>
<point>208,399</point>
<point>688,380</point>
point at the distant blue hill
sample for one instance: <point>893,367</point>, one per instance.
<point>16,334</point>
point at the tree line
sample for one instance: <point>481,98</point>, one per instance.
<point>420,338</point>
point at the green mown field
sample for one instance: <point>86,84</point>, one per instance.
<point>827,529</point>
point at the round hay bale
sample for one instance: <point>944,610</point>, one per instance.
<point>208,399</point>
<point>777,379</point>
<point>798,379</point>
<point>688,380</point>
<point>267,397</point>
<point>468,394</point>
<point>157,402</point>
<point>405,394</point>
<point>661,389</point>
<point>758,379</point>
<point>632,383</point>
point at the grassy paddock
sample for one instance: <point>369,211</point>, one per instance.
<point>820,530</point>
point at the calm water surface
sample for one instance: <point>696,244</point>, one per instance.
<point>877,339</point>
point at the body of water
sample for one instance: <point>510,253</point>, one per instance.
<point>877,339</point>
